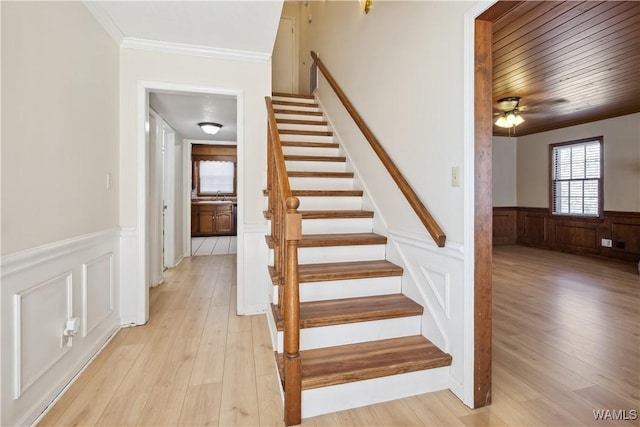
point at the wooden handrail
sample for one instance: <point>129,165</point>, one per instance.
<point>419,208</point>
<point>286,232</point>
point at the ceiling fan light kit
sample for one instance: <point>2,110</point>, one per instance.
<point>510,116</point>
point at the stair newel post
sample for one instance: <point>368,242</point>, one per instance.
<point>292,362</point>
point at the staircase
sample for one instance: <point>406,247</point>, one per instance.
<point>360,337</point>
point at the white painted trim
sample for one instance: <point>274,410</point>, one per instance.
<point>451,249</point>
<point>104,20</point>
<point>195,50</point>
<point>468,114</point>
<point>29,258</point>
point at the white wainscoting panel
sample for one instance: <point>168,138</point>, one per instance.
<point>39,316</point>
<point>43,288</point>
<point>434,277</point>
<point>97,291</point>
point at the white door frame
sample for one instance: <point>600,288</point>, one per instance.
<point>141,293</point>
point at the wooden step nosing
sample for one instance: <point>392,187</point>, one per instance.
<point>291,95</point>
<point>298,112</point>
<point>319,174</point>
<point>327,193</point>
<point>304,132</point>
<point>304,158</point>
<point>305,144</point>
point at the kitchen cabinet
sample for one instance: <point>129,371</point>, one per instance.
<point>212,219</point>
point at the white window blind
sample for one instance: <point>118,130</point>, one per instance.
<point>216,177</point>
<point>576,175</point>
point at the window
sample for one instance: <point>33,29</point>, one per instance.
<point>576,177</point>
<point>216,177</point>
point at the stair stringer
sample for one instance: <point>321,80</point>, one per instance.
<point>443,321</point>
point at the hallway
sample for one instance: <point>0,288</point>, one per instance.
<point>565,344</point>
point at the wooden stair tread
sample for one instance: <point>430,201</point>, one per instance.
<point>318,174</point>
<point>351,310</point>
<point>304,132</point>
<point>323,272</point>
<point>335,214</point>
<point>297,112</point>
<point>310,144</point>
<point>294,104</point>
<point>327,193</point>
<point>374,359</point>
<point>304,158</point>
<point>291,95</point>
<point>337,239</point>
<point>302,122</point>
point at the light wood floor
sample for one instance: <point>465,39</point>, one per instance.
<point>566,341</point>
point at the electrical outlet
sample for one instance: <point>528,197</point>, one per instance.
<point>607,243</point>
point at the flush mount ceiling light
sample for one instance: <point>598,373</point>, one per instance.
<point>510,117</point>
<point>210,128</point>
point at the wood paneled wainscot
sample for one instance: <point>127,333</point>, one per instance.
<point>537,227</point>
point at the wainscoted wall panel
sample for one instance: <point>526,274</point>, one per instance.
<point>42,289</point>
<point>505,222</point>
<point>433,277</point>
<point>537,227</point>
<point>97,292</point>
<point>40,313</point>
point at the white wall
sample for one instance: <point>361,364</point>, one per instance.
<point>405,82</point>
<point>60,235</point>
<point>252,82</point>
<point>505,151</point>
<point>60,124</point>
<point>621,162</point>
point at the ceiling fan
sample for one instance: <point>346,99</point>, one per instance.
<point>509,115</point>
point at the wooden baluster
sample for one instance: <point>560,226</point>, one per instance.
<point>292,363</point>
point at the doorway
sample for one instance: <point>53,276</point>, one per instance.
<point>178,177</point>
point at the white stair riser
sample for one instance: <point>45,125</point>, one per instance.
<point>352,333</point>
<point>311,151</point>
<point>338,254</point>
<point>329,203</point>
<point>306,138</point>
<point>295,108</point>
<point>341,254</point>
<point>351,288</point>
<point>291,126</point>
<point>324,400</point>
<point>316,183</point>
<point>305,166</point>
<point>293,99</point>
<point>293,116</point>
<point>335,225</point>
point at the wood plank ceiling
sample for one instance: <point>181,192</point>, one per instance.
<point>571,62</point>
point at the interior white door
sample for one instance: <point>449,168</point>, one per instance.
<point>283,59</point>
<point>154,201</point>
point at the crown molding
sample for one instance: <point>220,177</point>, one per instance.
<point>105,20</point>
<point>194,50</point>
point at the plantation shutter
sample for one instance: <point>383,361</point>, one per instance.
<point>576,174</point>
